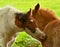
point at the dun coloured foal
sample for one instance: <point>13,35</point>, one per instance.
<point>13,21</point>
<point>49,24</point>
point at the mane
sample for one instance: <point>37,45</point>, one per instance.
<point>44,16</point>
<point>48,14</point>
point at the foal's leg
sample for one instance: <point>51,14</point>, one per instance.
<point>10,42</point>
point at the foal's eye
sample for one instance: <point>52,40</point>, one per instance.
<point>33,30</point>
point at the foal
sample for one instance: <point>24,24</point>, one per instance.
<point>49,24</point>
<point>26,21</point>
<point>13,21</point>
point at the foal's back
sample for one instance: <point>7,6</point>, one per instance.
<point>53,34</point>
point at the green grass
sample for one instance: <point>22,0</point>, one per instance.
<point>26,41</point>
<point>25,5</point>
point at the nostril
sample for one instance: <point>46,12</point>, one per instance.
<point>44,36</point>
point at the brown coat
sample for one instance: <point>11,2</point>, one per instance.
<point>49,24</point>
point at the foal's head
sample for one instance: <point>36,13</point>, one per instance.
<point>43,16</point>
<point>29,24</point>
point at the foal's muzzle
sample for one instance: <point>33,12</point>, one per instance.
<point>40,35</point>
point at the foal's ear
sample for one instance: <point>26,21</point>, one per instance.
<point>29,12</point>
<point>37,7</point>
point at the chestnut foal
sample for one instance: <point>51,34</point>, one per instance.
<point>13,21</point>
<point>49,24</point>
<point>26,21</point>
